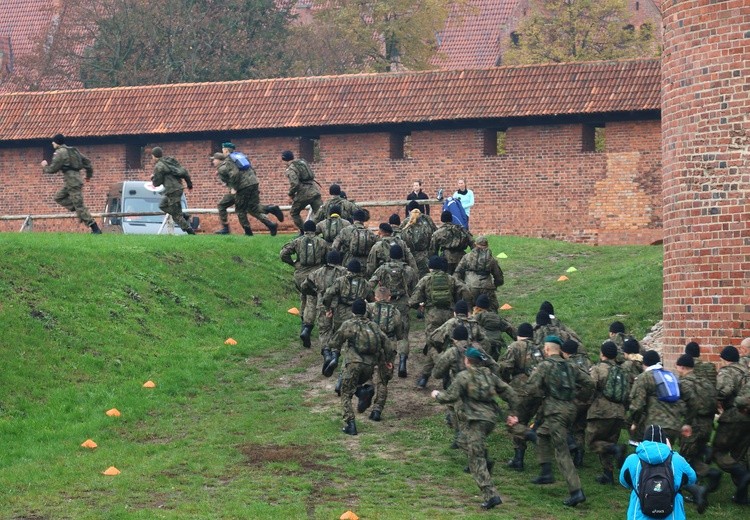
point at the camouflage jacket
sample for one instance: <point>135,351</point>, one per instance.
<point>310,252</point>
<point>65,159</point>
<point>342,241</point>
<point>451,361</point>
<point>359,335</point>
<point>381,253</point>
<point>444,333</point>
<point>233,177</point>
<point>346,289</point>
<point>321,279</point>
<point>601,407</point>
<point>705,371</point>
<point>477,388</point>
<point>633,367</point>
<point>418,233</point>
<point>302,189</point>
<point>423,291</point>
<point>518,362</point>
<point>388,318</point>
<point>347,208</point>
<point>479,269</point>
<point>646,408</point>
<point>699,397</point>
<point>330,228</point>
<point>541,332</point>
<point>555,322</point>
<point>164,176</point>
<point>541,380</point>
<point>400,279</point>
<point>494,325</point>
<point>728,385</point>
<point>450,240</point>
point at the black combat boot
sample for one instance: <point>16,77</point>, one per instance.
<point>546,476</point>
<point>713,478</point>
<point>95,229</point>
<point>422,382</point>
<point>337,388</point>
<point>577,456</point>
<point>741,478</point>
<point>402,365</point>
<point>326,353</point>
<point>329,367</point>
<point>375,415</point>
<point>189,231</point>
<point>364,394</point>
<point>575,498</point>
<point>350,428</point>
<point>273,228</point>
<point>224,230</point>
<point>304,335</point>
<point>491,502</point>
<point>516,462</point>
<point>248,230</point>
<point>276,212</point>
<point>700,498</point>
<point>606,477</point>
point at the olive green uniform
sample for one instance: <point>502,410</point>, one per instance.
<point>316,284</point>
<point>605,418</point>
<point>70,196</point>
<point>494,325</point>
<point>481,273</point>
<point>699,396</point>
<point>391,322</point>
<point>401,280</point>
<point>450,240</point>
<point>343,241</point>
<point>246,196</point>
<point>306,254</point>
<point>347,208</point>
<point>733,432</point>
<point>645,408</point>
<point>171,201</point>
<point>417,233</point>
<point>302,190</point>
<point>381,253</point>
<point>330,228</point>
<point>341,294</point>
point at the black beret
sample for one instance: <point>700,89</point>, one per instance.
<point>446,216</point>
<point>396,251</point>
<point>542,318</point>
<point>685,360</point>
<point>394,220</point>
<point>157,151</point>
<point>359,307</point>
<point>334,209</point>
<point>354,266</point>
<point>460,333</point>
<point>570,346</point>
<point>616,327</point>
<point>309,225</point>
<point>631,346</point>
<point>359,215</point>
<point>650,358</point>
<point>385,227</point>
<point>335,189</point>
<point>58,139</point>
<point>693,349</point>
<point>412,205</point>
<point>730,353</point>
<point>333,257</point>
<point>483,301</point>
<point>287,155</point>
<point>525,330</point>
<point>434,262</point>
<point>609,350</point>
<point>547,307</point>
<point>461,307</point>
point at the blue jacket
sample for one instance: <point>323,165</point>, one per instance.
<point>654,453</point>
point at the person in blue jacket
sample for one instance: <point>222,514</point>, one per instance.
<point>654,449</point>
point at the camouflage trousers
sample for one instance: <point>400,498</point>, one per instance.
<point>578,428</point>
<point>402,304</point>
<point>422,259</point>
<point>325,324</point>
<point>692,447</point>
<point>171,204</point>
<point>226,202</point>
<point>352,376</point>
<point>731,444</point>
<point>300,203</point>
<point>474,443</point>
<point>71,198</point>
<point>526,412</point>
<point>553,439</point>
<point>307,302</point>
<point>433,318</point>
<point>247,200</point>
<point>601,435</point>
<point>382,376</point>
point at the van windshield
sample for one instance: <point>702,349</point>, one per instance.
<point>142,205</point>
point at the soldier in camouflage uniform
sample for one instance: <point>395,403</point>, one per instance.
<point>395,221</point>
<point>605,416</point>
<point>556,381</point>
<point>481,273</point>
<point>70,161</point>
<point>330,228</point>
<point>646,408</point>
<point>577,432</point>
<point>417,232</point>
<point>633,364</point>
<point>493,324</point>
<point>244,195</point>
<point>390,321</point>
<point>302,188</point>
<point>435,296</point>
<point>381,251</point>
<point>544,327</point>
<point>400,279</point>
<point>346,208</point>
<point>442,335</point>
<point>733,433</point>
<point>340,295</point>
<point>366,347</point>
<point>518,363</point>
<point>355,241</point>
<point>559,325</point>
<point>700,407</point>
<point>476,388</point>
<point>166,174</point>
<point>705,371</point>
<point>450,240</point>
<point>316,284</point>
<point>306,254</point>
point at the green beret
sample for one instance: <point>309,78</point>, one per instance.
<point>474,353</point>
<point>228,145</point>
<point>553,339</point>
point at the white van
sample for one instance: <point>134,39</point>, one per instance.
<point>140,197</point>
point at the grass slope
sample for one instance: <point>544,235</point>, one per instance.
<point>251,430</point>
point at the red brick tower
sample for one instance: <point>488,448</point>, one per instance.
<point>706,168</point>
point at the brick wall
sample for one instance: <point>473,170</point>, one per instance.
<point>705,100</point>
<point>543,186</point>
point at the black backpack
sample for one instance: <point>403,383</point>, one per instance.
<point>656,490</point>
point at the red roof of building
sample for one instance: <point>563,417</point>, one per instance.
<point>25,21</point>
<point>330,101</point>
<point>471,38</point>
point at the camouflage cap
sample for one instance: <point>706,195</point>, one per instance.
<point>481,240</point>
<point>553,339</point>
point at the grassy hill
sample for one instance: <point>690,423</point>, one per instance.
<point>250,430</point>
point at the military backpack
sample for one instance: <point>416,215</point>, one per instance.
<point>331,229</point>
<point>393,276</point>
<point>304,172</point>
<point>74,158</point>
<point>384,315</point>
<point>534,356</point>
<point>357,288</point>
<point>309,253</point>
<point>440,290</point>
<point>175,167</point>
<point>367,341</point>
<point>617,385</point>
<point>417,236</point>
<point>561,383</point>
<point>361,241</point>
<point>455,238</point>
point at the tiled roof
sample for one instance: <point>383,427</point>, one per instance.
<point>471,38</point>
<point>25,21</point>
<point>330,101</point>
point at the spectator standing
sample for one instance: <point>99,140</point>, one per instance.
<point>418,194</point>
<point>466,196</point>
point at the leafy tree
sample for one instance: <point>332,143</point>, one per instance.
<point>104,43</point>
<point>578,30</point>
